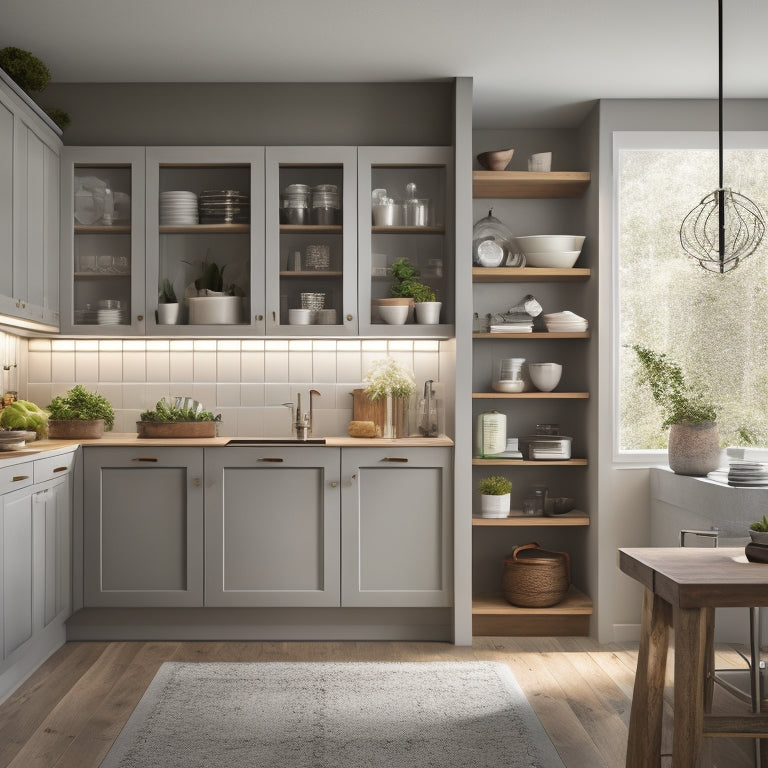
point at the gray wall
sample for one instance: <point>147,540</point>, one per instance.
<point>235,114</point>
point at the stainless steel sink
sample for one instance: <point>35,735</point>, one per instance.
<point>256,441</point>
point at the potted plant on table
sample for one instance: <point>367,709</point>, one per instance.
<point>80,414</point>
<point>181,418</point>
<point>389,381</point>
<point>758,531</point>
<point>694,442</point>
<point>495,492</point>
<point>167,304</point>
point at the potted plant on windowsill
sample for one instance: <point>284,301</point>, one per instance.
<point>694,442</point>
<point>177,419</point>
<point>210,301</point>
<point>79,414</point>
<point>167,304</point>
<point>495,492</point>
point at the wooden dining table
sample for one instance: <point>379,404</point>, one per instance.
<point>682,588</point>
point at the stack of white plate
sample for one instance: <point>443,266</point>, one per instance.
<point>178,208</point>
<point>748,473</point>
<point>111,316</point>
<point>565,322</point>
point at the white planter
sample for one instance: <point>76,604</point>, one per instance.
<point>214,310</point>
<point>167,314</point>
<point>428,312</point>
<point>494,506</point>
<point>694,449</point>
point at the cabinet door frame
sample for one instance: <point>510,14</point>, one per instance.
<point>94,157</point>
<point>312,156</point>
<point>217,461</point>
<point>95,459</point>
<point>253,157</point>
<point>354,462</point>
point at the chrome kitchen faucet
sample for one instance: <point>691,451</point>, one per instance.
<point>302,424</point>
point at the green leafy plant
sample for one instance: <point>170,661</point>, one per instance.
<point>166,294</point>
<point>406,285</point>
<point>495,485</point>
<point>679,401</point>
<point>59,116</point>
<point>22,414</point>
<point>387,378</point>
<point>760,525</point>
<point>212,279</point>
<point>25,69</point>
<point>166,412</point>
<point>80,404</point>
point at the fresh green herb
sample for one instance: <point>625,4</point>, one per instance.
<point>760,525</point>
<point>166,294</point>
<point>406,285</point>
<point>78,403</point>
<point>495,485</point>
<point>169,412</point>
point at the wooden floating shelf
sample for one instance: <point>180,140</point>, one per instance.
<point>103,229</point>
<point>524,521</point>
<point>198,229</point>
<point>314,273</point>
<point>528,274</point>
<point>529,184</point>
<point>530,395</point>
<point>408,230</point>
<point>493,615</point>
<point>534,335</point>
<point>311,229</point>
<point>529,463</point>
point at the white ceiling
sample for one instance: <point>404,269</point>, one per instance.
<point>534,62</point>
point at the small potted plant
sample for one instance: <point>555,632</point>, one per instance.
<point>407,286</point>
<point>181,418</point>
<point>211,302</point>
<point>758,531</point>
<point>167,304</point>
<point>494,496</point>
<point>694,442</point>
<point>79,414</point>
<point>389,381</point>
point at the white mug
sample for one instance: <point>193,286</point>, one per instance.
<point>541,161</point>
<point>299,316</point>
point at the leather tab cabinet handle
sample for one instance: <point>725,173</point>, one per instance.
<point>144,458</point>
<point>399,459</point>
<point>19,478</point>
<point>274,460</point>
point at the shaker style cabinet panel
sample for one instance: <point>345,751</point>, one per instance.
<point>406,207</point>
<point>272,527</point>
<point>143,527</point>
<point>102,240</point>
<point>29,211</point>
<point>205,236</point>
<point>311,258</point>
<point>396,527</point>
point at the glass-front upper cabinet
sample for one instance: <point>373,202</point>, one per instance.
<point>311,259</point>
<point>406,241</point>
<point>205,241</point>
<point>102,240</point>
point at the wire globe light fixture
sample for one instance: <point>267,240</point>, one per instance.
<point>725,226</point>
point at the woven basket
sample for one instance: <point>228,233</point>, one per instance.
<point>533,577</point>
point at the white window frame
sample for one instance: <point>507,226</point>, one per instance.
<point>623,140</point>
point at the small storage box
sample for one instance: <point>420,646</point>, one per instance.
<point>533,577</point>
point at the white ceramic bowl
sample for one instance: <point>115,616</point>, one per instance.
<point>394,314</point>
<point>556,259</point>
<point>545,376</point>
<point>508,385</point>
<point>550,243</point>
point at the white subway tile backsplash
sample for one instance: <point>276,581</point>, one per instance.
<point>250,422</point>
<point>227,396</point>
<point>110,366</point>
<point>39,365</point>
<point>323,366</point>
<point>349,365</point>
<point>227,365</point>
<point>277,394</point>
<point>276,422</point>
<point>42,394</point>
<point>182,366</point>
<point>276,366</point>
<point>135,396</point>
<point>156,392</point>
<point>39,345</point>
<point>300,366</point>
<point>204,365</point>
<point>252,395</point>
<point>134,366</point>
<point>86,366</point>
<point>203,393</point>
<point>113,393</point>
<point>252,366</point>
<point>63,366</point>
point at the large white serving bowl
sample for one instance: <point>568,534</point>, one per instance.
<point>556,259</point>
<point>545,376</point>
<point>539,243</point>
<point>394,314</point>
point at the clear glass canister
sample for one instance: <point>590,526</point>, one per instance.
<point>493,244</point>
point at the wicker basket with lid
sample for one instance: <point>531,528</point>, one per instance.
<point>533,577</point>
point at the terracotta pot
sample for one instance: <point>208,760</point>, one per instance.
<point>76,429</point>
<point>159,429</point>
<point>694,449</point>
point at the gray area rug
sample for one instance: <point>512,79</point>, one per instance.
<point>333,715</point>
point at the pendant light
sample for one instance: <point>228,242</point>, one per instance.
<point>725,226</point>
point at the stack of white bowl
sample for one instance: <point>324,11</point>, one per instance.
<point>565,322</point>
<point>178,208</point>
<point>554,251</point>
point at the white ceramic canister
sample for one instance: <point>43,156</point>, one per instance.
<point>491,433</point>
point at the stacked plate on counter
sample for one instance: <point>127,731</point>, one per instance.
<point>224,206</point>
<point>744,474</point>
<point>178,208</point>
<point>11,441</point>
<point>565,322</point>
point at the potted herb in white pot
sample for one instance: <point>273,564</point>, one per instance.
<point>211,302</point>
<point>495,492</point>
<point>167,304</point>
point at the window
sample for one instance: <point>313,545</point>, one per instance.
<point>715,326</point>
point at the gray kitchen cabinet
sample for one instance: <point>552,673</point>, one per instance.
<point>143,526</point>
<point>397,514</point>
<point>272,532</point>
<point>29,208</point>
<point>102,252</point>
<point>311,240</point>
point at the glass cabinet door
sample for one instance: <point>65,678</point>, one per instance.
<point>311,260</point>
<point>205,243</point>
<point>405,212</point>
<point>102,267</point>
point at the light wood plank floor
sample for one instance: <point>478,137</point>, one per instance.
<point>68,713</point>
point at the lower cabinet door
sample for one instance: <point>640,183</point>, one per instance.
<point>272,526</point>
<point>396,527</point>
<point>143,527</point>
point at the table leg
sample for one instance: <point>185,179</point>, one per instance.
<point>690,669</point>
<point>644,742</point>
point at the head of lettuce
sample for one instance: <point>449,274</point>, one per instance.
<point>22,414</point>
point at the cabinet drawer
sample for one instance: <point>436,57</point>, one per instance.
<point>54,466</point>
<point>16,476</point>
